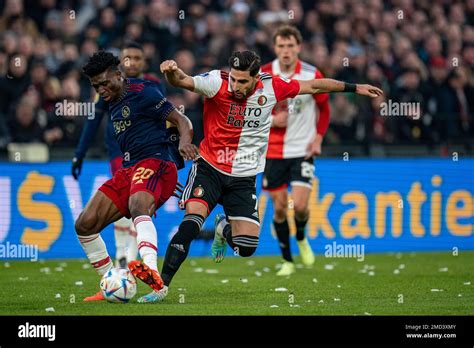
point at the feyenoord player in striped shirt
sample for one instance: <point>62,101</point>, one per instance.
<point>295,138</point>
<point>237,110</point>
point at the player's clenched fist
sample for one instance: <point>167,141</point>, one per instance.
<point>168,66</point>
<point>188,151</point>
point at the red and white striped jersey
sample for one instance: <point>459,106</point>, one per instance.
<point>236,131</point>
<point>292,141</point>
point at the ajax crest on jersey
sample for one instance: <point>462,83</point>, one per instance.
<point>118,285</point>
<point>125,111</point>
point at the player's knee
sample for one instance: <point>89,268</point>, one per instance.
<point>244,245</point>
<point>141,204</point>
<point>301,211</point>
<point>280,213</point>
<point>86,224</point>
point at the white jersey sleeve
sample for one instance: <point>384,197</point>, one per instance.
<point>208,84</point>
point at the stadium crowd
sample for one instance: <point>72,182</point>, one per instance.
<point>418,51</point>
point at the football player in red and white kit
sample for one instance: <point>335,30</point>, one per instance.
<point>237,120</point>
<point>295,138</point>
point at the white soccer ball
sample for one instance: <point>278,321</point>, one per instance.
<point>118,285</point>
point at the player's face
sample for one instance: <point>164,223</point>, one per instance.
<point>133,62</point>
<point>241,83</point>
<point>287,50</point>
<point>108,84</point>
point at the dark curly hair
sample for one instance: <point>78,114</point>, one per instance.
<point>245,61</point>
<point>100,62</point>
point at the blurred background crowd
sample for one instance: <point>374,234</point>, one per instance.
<point>418,51</point>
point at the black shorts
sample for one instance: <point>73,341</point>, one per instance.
<point>279,173</point>
<point>237,195</point>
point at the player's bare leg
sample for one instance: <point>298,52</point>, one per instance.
<point>99,212</point>
<point>282,230</point>
<point>301,194</point>
<point>178,248</point>
<point>142,206</point>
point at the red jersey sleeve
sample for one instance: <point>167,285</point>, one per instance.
<point>322,100</point>
<point>285,88</point>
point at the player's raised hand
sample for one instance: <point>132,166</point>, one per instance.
<point>368,90</point>
<point>188,151</point>
<point>168,66</point>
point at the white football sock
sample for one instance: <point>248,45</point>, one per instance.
<point>121,232</point>
<point>132,248</point>
<point>96,252</point>
<point>147,240</point>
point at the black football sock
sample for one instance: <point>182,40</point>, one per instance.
<point>179,245</point>
<point>300,229</point>
<point>283,234</point>
<point>243,245</point>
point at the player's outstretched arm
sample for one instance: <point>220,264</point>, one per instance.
<point>188,150</point>
<point>330,85</point>
<point>175,76</point>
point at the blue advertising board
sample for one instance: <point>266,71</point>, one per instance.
<point>384,204</point>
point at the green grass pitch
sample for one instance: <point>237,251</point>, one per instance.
<point>384,284</point>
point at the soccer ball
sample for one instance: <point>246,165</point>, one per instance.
<point>118,285</point>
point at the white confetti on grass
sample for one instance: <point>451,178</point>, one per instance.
<point>315,280</point>
<point>337,299</point>
<point>338,286</point>
<point>329,267</point>
<point>224,281</point>
<point>371,273</point>
<point>459,295</point>
<point>321,301</point>
<point>396,271</point>
<point>436,290</point>
<point>79,283</point>
<point>193,263</point>
<point>244,280</point>
<point>198,269</point>
<point>6,264</point>
<point>63,264</point>
<point>23,279</point>
<point>86,266</point>
<point>299,265</point>
<point>274,306</point>
<point>308,301</point>
<point>367,313</point>
<point>401,266</point>
<point>443,269</point>
<point>266,269</point>
<point>50,309</point>
<point>57,296</point>
<point>258,274</point>
<point>212,271</point>
<point>45,270</point>
<point>58,269</point>
<point>281,289</point>
<point>295,306</point>
<point>467,283</point>
<point>250,263</point>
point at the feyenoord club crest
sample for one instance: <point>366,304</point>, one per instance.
<point>125,111</point>
<point>262,100</point>
<point>198,192</point>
